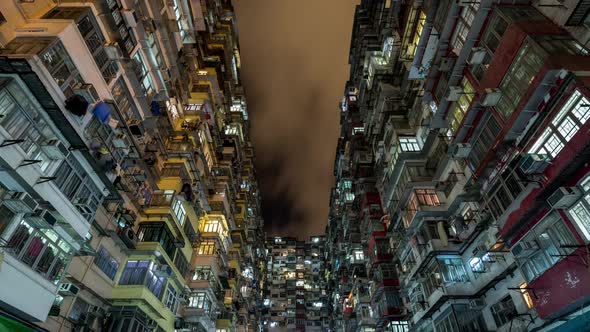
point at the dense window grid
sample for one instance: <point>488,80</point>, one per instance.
<point>463,25</point>
<point>503,192</point>
<point>543,246</point>
<point>181,263</point>
<point>490,42</point>
<point>41,249</point>
<point>75,183</point>
<point>580,211</point>
<point>200,300</point>
<point>460,107</point>
<point>427,197</point>
<point>157,232</point>
<point>409,144</point>
<point>106,263</point>
<point>171,300</point>
<point>206,248</point>
<point>124,101</point>
<point>484,141</point>
<point>143,273</point>
<point>143,75</point>
<point>520,75</point>
<point>572,116</point>
<point>60,65</point>
<point>21,117</point>
<point>179,210</point>
<point>95,41</point>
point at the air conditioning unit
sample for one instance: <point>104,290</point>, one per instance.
<point>20,202</point>
<point>478,55</point>
<point>55,150</point>
<point>68,289</point>
<point>129,17</point>
<point>149,25</point>
<point>87,91</point>
<point>525,248</point>
<point>128,237</point>
<point>455,93</point>
<point>42,219</point>
<point>491,97</point>
<point>119,142</point>
<point>534,163</point>
<point>564,197</point>
<point>446,64</point>
<point>460,150</point>
<point>477,303</point>
<point>113,51</point>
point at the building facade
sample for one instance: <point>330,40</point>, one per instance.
<point>128,194</point>
<point>295,296</point>
<point>462,169</point>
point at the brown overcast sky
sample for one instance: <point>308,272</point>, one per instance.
<point>294,66</point>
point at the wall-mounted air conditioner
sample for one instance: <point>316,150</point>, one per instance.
<point>478,55</point>
<point>42,219</point>
<point>129,17</point>
<point>534,163</point>
<point>68,289</point>
<point>460,150</point>
<point>491,97</point>
<point>55,149</point>
<point>87,91</point>
<point>525,248</point>
<point>455,93</point>
<point>19,202</point>
<point>564,197</point>
<point>113,51</point>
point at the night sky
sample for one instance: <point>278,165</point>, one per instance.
<point>294,56</point>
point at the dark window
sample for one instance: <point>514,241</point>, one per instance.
<point>106,263</point>
<point>503,311</point>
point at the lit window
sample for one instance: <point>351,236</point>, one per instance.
<point>409,144</point>
<point>179,211</point>
<point>564,126</point>
<point>525,295</point>
<point>200,301</point>
<point>427,197</point>
<point>476,265</point>
<point>348,197</point>
<point>206,248</point>
<point>358,255</point>
<point>213,226</point>
<point>459,108</point>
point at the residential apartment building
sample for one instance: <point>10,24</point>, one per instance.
<point>294,296</point>
<point>128,195</point>
<point>461,169</point>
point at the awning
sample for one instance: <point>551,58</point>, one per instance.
<point>12,325</point>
